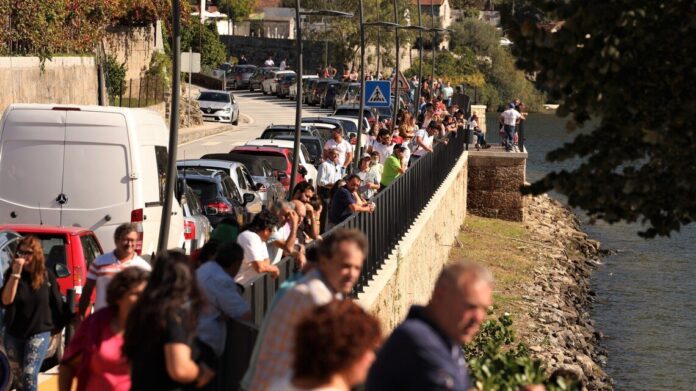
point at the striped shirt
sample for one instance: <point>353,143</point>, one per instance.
<point>104,268</point>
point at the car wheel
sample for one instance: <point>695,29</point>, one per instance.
<point>236,120</point>
<point>5,371</point>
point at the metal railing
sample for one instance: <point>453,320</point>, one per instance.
<point>398,206</point>
<point>143,92</point>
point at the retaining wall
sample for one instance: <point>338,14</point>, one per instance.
<point>495,179</point>
<point>408,275</point>
<point>62,80</point>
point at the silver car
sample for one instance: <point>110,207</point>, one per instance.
<point>239,174</point>
<point>197,227</point>
<point>219,106</point>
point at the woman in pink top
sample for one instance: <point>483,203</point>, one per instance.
<point>94,354</point>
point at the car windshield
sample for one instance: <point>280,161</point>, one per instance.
<point>349,126</point>
<point>205,190</point>
<point>214,97</point>
<point>277,161</point>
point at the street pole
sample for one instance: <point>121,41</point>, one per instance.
<point>188,105</point>
<point>396,74</point>
<point>173,128</point>
<point>432,27</point>
<point>420,63</point>
<point>298,101</point>
<point>358,141</point>
<point>379,51</point>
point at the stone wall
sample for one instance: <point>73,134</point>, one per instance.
<point>408,275</point>
<point>134,46</point>
<point>480,111</point>
<point>494,184</point>
<point>62,80</point>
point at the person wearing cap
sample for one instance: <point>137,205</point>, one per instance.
<point>393,167</point>
<point>509,119</point>
<point>369,178</point>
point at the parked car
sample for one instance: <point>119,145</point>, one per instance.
<point>307,89</point>
<point>218,195</point>
<point>311,175</point>
<point>197,227</point>
<point>272,130</point>
<point>219,106</point>
<point>355,112</point>
<point>222,70</point>
<point>292,93</point>
<point>284,85</point>
<point>348,95</point>
<point>239,76</point>
<point>328,98</point>
<point>240,176</point>
<point>314,145</point>
<point>259,75</point>
<point>317,91</point>
<point>86,166</point>
<point>270,84</point>
<point>269,187</point>
<point>280,160</point>
<point>326,132</point>
<point>350,124</point>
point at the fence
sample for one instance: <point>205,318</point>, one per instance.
<point>398,206</point>
<point>142,92</point>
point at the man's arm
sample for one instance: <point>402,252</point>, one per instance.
<point>265,266</point>
<point>349,157</point>
<point>230,302</point>
<point>86,297</point>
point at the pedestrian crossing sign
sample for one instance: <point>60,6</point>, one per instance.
<point>377,93</point>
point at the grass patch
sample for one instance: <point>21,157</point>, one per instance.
<point>489,242</point>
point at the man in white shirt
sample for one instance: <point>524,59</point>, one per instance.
<point>284,236</point>
<point>509,118</point>
<point>446,93</point>
<point>105,266</point>
<point>328,174</point>
<point>338,143</point>
<point>423,142</point>
<point>383,145</point>
<point>269,62</point>
<point>283,65</point>
<point>253,241</point>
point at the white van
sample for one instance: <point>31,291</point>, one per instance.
<point>87,166</point>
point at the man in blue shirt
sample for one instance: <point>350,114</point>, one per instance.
<point>344,202</point>
<point>424,353</point>
<point>223,301</point>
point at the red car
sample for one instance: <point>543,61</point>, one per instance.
<point>280,160</point>
<point>68,250</point>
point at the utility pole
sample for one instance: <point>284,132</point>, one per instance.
<point>396,73</point>
<point>420,63</point>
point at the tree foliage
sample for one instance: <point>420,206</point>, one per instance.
<point>115,76</point>
<point>237,10</point>
<point>203,38</point>
<point>630,65</point>
<point>503,81</point>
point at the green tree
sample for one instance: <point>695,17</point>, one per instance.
<point>115,76</point>
<point>237,10</point>
<point>631,66</point>
<point>204,38</point>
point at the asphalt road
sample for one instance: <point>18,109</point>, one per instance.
<point>264,110</point>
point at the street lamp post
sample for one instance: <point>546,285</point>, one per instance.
<point>396,73</point>
<point>420,63</point>
<point>298,98</point>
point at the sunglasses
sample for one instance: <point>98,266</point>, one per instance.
<point>23,253</point>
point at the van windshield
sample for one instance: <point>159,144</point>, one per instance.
<point>214,97</point>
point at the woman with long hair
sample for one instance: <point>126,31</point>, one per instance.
<point>94,353</point>
<point>28,296</point>
<point>159,336</point>
<point>334,348</point>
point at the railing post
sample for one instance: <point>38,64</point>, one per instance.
<point>520,137</point>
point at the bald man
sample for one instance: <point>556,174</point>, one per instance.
<point>424,352</point>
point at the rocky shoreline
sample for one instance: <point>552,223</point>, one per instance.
<point>560,331</point>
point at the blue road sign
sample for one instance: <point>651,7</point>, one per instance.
<point>377,93</point>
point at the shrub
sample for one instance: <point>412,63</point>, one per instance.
<point>115,73</point>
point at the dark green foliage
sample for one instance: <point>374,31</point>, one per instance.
<point>204,38</point>
<point>630,65</point>
<point>237,10</point>
<point>115,73</point>
<point>497,365</point>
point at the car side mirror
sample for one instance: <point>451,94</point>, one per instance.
<point>260,187</point>
<point>61,270</point>
<point>211,211</point>
<point>248,198</point>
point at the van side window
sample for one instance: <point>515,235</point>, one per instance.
<point>162,158</point>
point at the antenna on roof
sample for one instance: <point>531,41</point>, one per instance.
<point>40,217</point>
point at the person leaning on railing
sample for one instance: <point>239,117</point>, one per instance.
<point>393,167</point>
<point>344,203</point>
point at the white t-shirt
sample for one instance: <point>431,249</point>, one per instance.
<point>269,63</point>
<point>255,250</point>
<point>104,267</point>
<point>510,117</point>
<point>407,155</point>
<point>343,147</point>
<point>383,150</point>
<point>282,234</point>
<point>426,140</point>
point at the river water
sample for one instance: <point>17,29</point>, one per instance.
<point>646,304</point>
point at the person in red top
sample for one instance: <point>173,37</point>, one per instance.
<point>94,353</point>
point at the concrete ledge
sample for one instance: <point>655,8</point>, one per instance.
<point>407,276</point>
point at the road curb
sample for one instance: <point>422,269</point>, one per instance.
<point>193,135</point>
